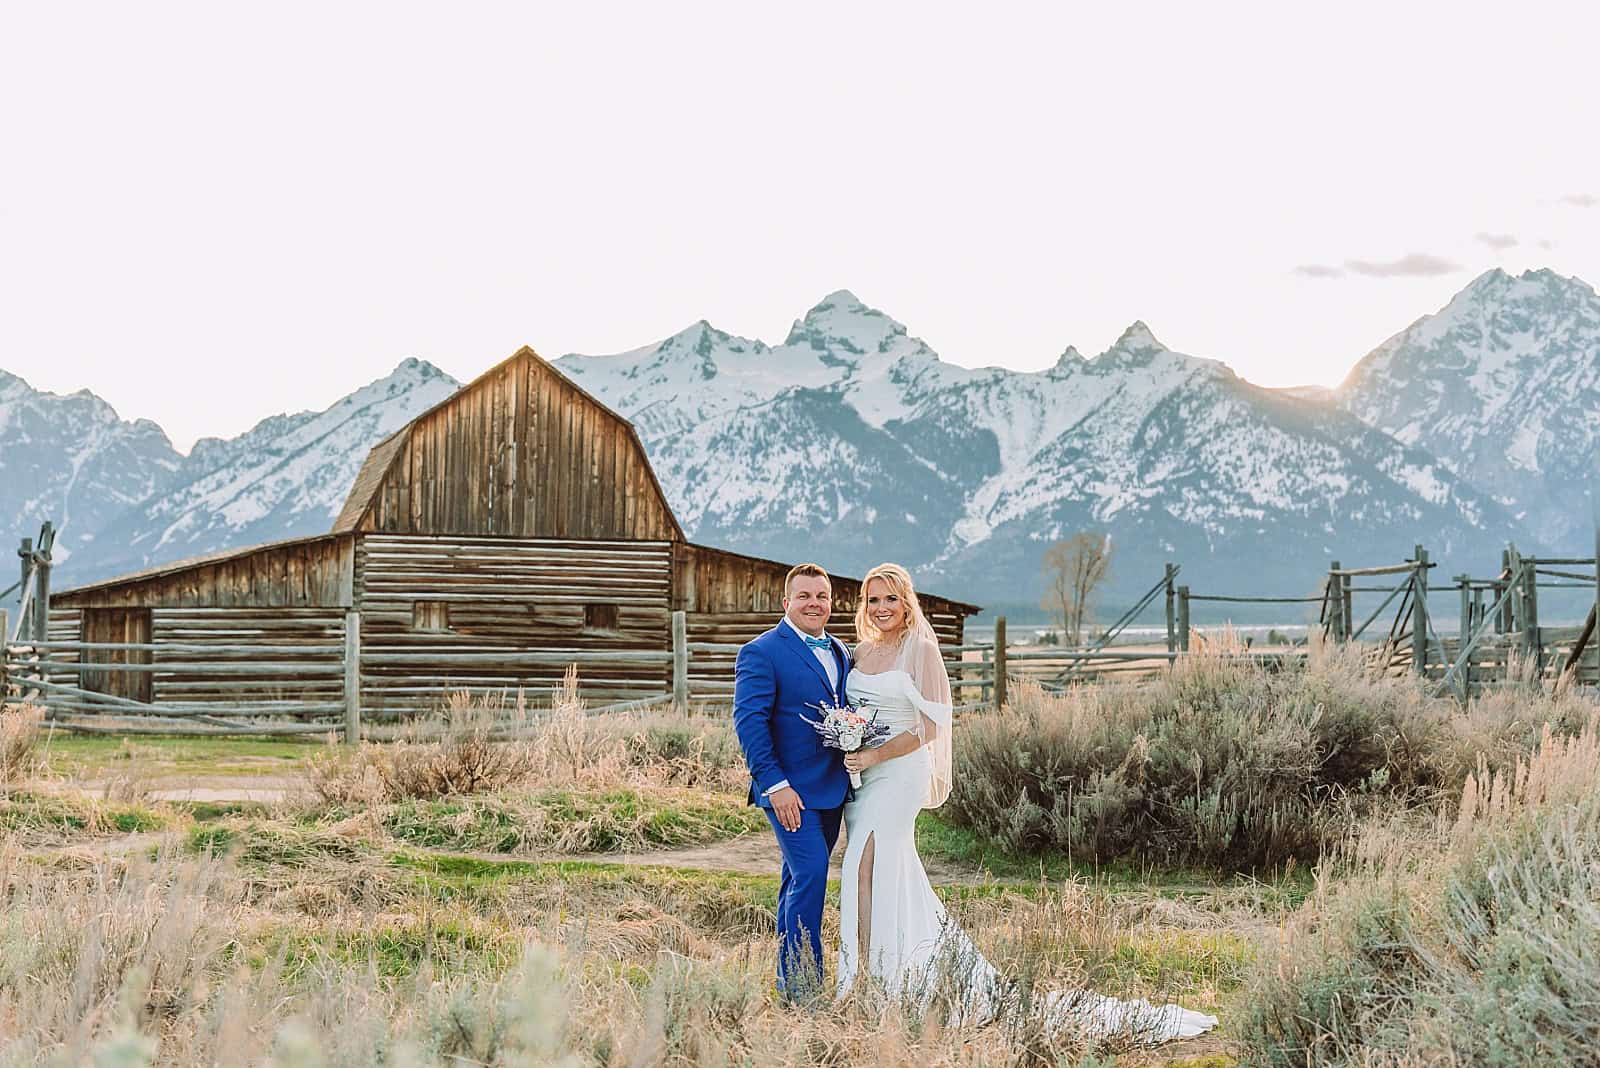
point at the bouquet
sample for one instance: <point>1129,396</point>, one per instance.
<point>847,729</point>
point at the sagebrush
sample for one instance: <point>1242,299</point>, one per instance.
<point>1222,762</point>
<point>1469,939</point>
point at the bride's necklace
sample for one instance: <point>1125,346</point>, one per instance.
<point>876,663</point>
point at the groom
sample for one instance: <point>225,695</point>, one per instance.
<point>780,677</point>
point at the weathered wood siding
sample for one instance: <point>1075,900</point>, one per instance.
<point>730,598</point>
<point>311,572</point>
<point>507,596</point>
<point>117,626</point>
<point>520,452</point>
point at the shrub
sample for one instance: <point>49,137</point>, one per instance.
<point>456,754</point>
<point>1223,762</point>
<point>475,746</point>
<point>19,733</point>
<point>1472,942</point>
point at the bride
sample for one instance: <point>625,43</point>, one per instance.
<point>891,922</point>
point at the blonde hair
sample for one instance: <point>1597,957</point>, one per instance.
<point>898,580</point>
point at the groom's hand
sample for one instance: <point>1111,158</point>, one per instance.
<point>787,804</point>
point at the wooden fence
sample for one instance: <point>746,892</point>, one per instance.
<point>320,679</point>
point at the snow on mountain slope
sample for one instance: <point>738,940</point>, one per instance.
<point>1503,385</point>
<point>286,477</point>
<point>852,426</point>
<point>74,461</point>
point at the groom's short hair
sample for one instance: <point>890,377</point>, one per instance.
<point>804,569</point>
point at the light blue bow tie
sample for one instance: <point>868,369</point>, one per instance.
<point>817,643</point>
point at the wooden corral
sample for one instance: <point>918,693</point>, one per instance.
<point>509,531</point>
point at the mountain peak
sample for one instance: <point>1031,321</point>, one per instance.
<point>841,321</point>
<point>1139,337</point>
<point>416,369</point>
<point>1069,360</point>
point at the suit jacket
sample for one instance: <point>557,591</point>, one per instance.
<point>777,680</point>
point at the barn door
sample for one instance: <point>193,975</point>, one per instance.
<point>117,626</point>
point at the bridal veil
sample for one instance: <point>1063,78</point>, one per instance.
<point>930,693</point>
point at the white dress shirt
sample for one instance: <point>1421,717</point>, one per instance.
<point>829,665</point>
<point>824,656</point>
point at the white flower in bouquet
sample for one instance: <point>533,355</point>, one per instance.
<point>844,728</point>
<point>851,735</point>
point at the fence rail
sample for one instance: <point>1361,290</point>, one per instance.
<point>273,686</point>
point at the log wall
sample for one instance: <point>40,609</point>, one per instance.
<point>500,597</point>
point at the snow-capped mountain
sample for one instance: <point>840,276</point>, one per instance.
<point>853,442</point>
<point>74,461</point>
<point>286,477</point>
<point>1503,385</point>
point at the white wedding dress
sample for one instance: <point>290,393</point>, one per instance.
<point>913,948</point>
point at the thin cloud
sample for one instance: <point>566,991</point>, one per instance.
<point>1413,265</point>
<point>1499,242</point>
<point>1581,200</point>
<point>1547,244</point>
<point>1318,270</point>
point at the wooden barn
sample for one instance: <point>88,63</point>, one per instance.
<point>509,531</point>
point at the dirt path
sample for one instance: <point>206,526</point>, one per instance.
<point>259,789</point>
<point>757,854</point>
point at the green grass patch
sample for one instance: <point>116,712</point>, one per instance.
<point>570,821</point>
<point>210,811</point>
<point>99,756</point>
<point>453,945</point>
<point>63,817</point>
<point>268,844</point>
<point>940,839</point>
<point>1173,959</point>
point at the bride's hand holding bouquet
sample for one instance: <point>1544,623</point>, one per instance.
<point>845,728</point>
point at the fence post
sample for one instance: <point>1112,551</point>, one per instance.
<point>1596,600</point>
<point>1335,602</point>
<point>41,595</point>
<point>999,662</point>
<point>24,618</point>
<point>1532,638</point>
<point>352,677</point>
<point>680,662</point>
<point>1183,619</point>
<point>1514,608</point>
<point>1172,622</point>
<point>1502,619</point>
<point>5,639</point>
<point>1419,615</point>
<point>986,691</point>
<point>1466,630</point>
<point>1347,601</point>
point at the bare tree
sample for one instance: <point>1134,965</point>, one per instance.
<point>1073,570</point>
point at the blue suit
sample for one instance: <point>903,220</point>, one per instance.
<point>777,680</point>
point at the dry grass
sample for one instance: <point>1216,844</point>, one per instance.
<point>479,747</point>
<point>19,736</point>
<point>1471,939</point>
<point>305,950</point>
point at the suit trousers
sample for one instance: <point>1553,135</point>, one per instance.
<point>802,887</point>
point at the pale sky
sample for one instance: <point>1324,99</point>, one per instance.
<point>210,213</point>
